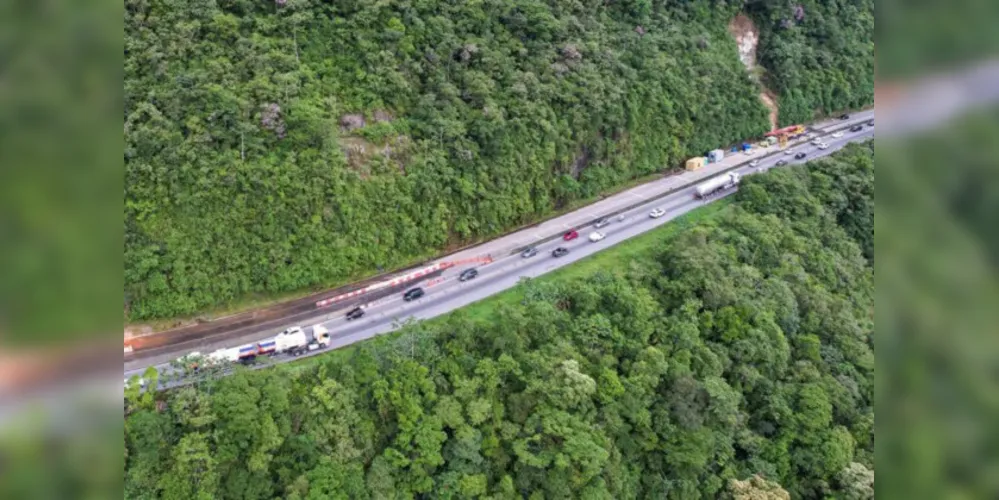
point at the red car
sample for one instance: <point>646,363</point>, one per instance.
<point>571,235</point>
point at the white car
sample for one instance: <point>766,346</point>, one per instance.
<point>816,142</point>
<point>789,151</point>
<point>657,213</point>
<point>837,135</point>
<point>754,163</point>
<point>749,152</point>
<point>596,236</point>
<point>811,135</point>
<point>823,146</point>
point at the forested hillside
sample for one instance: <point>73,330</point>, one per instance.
<point>932,36</point>
<point>819,54</point>
<point>738,347</point>
<point>276,146</point>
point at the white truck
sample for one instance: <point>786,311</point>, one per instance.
<point>320,338</point>
<point>295,341</point>
<point>292,341</point>
<point>720,183</point>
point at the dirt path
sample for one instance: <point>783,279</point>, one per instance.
<point>768,98</point>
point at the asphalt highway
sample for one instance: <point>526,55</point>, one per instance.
<point>446,293</point>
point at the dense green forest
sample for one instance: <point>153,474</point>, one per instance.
<point>735,358</point>
<point>938,231</point>
<point>819,54</point>
<point>916,38</point>
<point>278,146</point>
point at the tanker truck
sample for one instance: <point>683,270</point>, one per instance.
<point>720,183</point>
<point>294,341</point>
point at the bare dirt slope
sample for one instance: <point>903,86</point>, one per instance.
<point>747,37</point>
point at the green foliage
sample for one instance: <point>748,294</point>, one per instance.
<point>277,146</point>
<point>741,347</point>
<point>917,38</point>
<point>756,488</point>
<point>819,55</point>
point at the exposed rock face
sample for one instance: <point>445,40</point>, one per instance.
<point>747,37</point>
<point>382,116</point>
<point>351,122</point>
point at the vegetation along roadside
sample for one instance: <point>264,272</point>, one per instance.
<point>273,147</point>
<point>737,347</point>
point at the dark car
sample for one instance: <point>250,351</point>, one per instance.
<point>870,123</point>
<point>781,163</point>
<point>602,223</point>
<point>413,294</point>
<point>468,274</point>
<point>799,156</point>
<point>355,313</point>
<point>856,128</point>
<point>844,117</point>
<point>560,251</point>
<point>529,252</point>
<point>571,235</point>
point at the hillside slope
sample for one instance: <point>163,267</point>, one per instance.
<point>272,147</point>
<point>739,346</point>
<point>819,55</point>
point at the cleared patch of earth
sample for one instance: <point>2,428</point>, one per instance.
<point>137,331</point>
<point>747,37</point>
<point>768,98</point>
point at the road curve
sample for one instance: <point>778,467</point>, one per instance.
<point>446,293</point>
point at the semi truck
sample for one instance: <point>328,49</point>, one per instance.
<point>720,183</point>
<point>292,341</point>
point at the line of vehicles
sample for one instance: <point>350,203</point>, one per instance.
<point>295,341</point>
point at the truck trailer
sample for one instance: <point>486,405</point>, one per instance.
<point>292,341</point>
<point>720,183</point>
<point>229,355</point>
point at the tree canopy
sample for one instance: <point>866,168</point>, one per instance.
<point>740,347</point>
<point>819,55</point>
<point>280,146</point>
